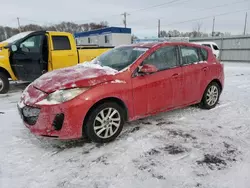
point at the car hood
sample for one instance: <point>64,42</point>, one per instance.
<point>82,75</point>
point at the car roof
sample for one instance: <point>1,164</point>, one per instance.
<point>206,42</point>
<point>155,44</point>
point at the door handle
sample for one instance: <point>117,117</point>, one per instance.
<point>175,75</point>
<point>205,68</point>
<point>71,55</point>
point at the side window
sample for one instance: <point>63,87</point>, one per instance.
<point>163,58</point>
<point>32,44</point>
<point>215,47</point>
<point>189,55</point>
<point>61,43</point>
<point>204,54</point>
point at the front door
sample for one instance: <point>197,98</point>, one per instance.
<point>158,91</point>
<point>27,62</point>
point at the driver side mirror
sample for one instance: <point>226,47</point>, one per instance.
<point>147,69</point>
<point>13,48</point>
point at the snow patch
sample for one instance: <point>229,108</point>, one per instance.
<point>118,82</point>
<point>73,85</point>
<point>107,69</point>
<point>152,156</point>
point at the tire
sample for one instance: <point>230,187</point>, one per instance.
<point>4,83</point>
<point>213,89</point>
<point>93,125</point>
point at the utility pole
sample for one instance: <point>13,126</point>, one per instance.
<point>125,19</point>
<point>245,27</point>
<point>18,22</point>
<point>159,28</point>
<point>213,27</point>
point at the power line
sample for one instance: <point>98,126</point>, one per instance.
<point>223,5</point>
<point>218,6</point>
<point>137,10</point>
<point>154,6</point>
<point>209,8</point>
<point>166,8</point>
<point>38,22</point>
<point>202,18</point>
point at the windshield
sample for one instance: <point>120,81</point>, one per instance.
<point>16,37</point>
<point>121,57</point>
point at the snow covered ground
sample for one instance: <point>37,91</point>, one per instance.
<point>185,148</point>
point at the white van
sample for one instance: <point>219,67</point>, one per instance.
<point>211,45</point>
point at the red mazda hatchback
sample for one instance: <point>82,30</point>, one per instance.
<point>95,99</point>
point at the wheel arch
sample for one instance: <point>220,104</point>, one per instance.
<point>214,80</point>
<point>3,70</point>
<point>218,82</point>
<point>102,101</point>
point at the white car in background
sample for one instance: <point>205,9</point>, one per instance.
<point>211,45</point>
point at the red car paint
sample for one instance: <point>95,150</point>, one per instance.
<point>142,95</point>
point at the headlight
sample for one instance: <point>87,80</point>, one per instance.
<point>61,96</point>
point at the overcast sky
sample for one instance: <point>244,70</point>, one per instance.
<point>142,19</point>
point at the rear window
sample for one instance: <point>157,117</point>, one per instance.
<point>204,54</point>
<point>215,47</point>
<point>61,43</point>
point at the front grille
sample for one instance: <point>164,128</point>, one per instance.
<point>30,114</point>
<point>58,122</point>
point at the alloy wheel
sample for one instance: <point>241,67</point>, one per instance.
<point>212,95</point>
<point>107,123</point>
<point>1,84</point>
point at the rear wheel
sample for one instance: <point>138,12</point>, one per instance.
<point>4,83</point>
<point>104,123</point>
<point>211,96</point>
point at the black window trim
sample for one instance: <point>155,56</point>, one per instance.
<point>201,54</point>
<point>70,45</point>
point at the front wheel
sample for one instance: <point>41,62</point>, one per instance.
<point>211,96</point>
<point>104,123</point>
<point>4,83</point>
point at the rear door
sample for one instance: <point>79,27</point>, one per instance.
<point>64,53</point>
<point>193,73</point>
<point>27,61</point>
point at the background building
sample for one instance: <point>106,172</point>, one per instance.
<point>110,36</point>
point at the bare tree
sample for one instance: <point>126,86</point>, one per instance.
<point>197,29</point>
<point>6,32</point>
